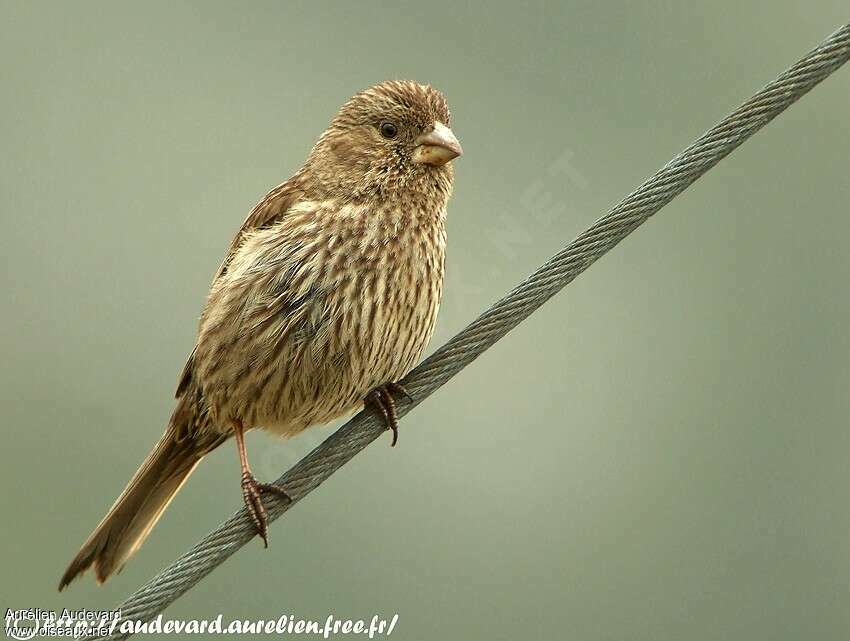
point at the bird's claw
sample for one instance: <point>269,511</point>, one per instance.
<point>398,388</point>
<point>382,399</point>
<point>252,494</point>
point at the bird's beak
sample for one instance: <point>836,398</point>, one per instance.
<point>436,147</point>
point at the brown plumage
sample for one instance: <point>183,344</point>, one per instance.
<point>329,290</point>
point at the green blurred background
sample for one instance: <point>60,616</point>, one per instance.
<point>659,453</point>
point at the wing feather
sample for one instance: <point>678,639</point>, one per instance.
<point>271,209</point>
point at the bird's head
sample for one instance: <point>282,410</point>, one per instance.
<point>391,137</point>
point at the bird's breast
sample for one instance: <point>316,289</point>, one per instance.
<point>318,310</point>
<point>386,278</point>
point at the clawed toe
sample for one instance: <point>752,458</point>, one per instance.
<point>398,388</point>
<point>252,494</point>
<point>381,398</point>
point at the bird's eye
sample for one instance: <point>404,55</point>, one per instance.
<point>389,130</point>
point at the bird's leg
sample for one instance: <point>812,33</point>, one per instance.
<point>252,489</point>
<point>381,398</point>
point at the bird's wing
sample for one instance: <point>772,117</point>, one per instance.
<point>268,211</point>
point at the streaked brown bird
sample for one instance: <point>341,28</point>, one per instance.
<point>327,296</point>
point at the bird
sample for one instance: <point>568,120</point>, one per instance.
<point>327,296</point>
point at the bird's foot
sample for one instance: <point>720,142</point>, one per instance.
<point>252,494</point>
<point>382,399</point>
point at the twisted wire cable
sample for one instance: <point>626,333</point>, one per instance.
<point>498,320</point>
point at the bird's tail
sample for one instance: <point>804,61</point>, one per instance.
<point>131,518</point>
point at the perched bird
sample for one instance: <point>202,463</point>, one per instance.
<point>327,296</point>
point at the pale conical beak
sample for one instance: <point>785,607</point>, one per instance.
<point>437,147</point>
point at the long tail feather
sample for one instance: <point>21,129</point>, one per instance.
<point>130,519</point>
